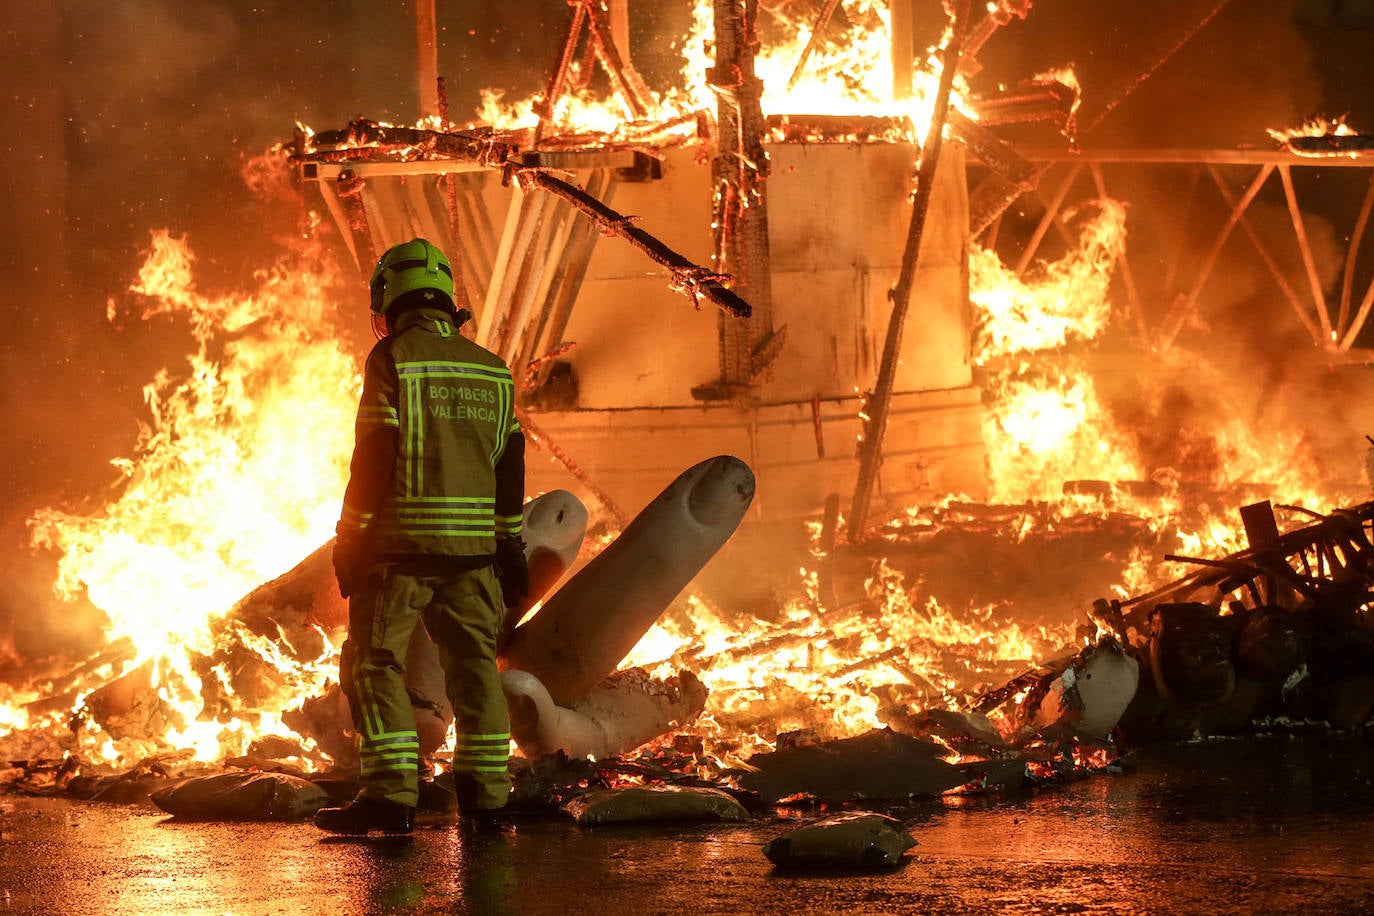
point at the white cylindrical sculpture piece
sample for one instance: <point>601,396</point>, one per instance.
<point>588,626</point>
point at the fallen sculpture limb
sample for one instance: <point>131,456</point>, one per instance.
<point>619,714</point>
<point>574,643</point>
<point>583,632</point>
<point>555,525</point>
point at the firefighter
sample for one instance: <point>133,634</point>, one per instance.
<point>430,529</point>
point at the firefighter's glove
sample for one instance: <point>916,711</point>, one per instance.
<point>349,564</point>
<point>512,571</point>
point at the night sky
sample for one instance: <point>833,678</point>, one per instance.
<point>123,118</point>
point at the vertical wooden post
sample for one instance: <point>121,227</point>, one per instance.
<point>427,57</point>
<point>870,457</point>
<point>740,173</point>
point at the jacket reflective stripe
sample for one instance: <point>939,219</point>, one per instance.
<point>453,404</point>
<point>351,518</point>
<point>384,416</point>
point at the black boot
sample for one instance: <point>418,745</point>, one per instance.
<point>365,813</point>
<point>481,820</point>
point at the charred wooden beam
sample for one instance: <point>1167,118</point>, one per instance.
<point>626,79</point>
<point>739,174</point>
<point>605,34</point>
<point>1332,145</point>
<point>802,128</point>
<point>999,14</point>
<point>1027,102</point>
<point>817,30</point>
<point>482,147</point>
<point>992,150</point>
<point>485,149</point>
<point>993,196</point>
<point>553,91</point>
<point>687,277</point>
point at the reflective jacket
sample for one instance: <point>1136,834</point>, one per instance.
<point>438,463</point>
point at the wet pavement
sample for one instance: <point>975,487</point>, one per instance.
<point>1274,824</point>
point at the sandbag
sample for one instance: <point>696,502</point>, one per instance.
<point>666,803</point>
<point>855,840</point>
<point>242,796</point>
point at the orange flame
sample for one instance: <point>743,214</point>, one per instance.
<point>849,72</point>
<point>237,475</point>
<point>1314,127</point>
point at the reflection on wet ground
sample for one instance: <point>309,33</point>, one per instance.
<point>1258,824</point>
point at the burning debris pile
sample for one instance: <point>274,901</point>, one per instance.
<point>1276,633</point>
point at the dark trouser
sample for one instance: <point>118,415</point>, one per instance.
<point>463,613</point>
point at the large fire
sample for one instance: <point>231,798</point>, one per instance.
<point>237,475</point>
<point>242,463</point>
<point>849,73</point>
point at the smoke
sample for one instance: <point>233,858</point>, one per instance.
<point>1153,75</point>
<point>1244,370</point>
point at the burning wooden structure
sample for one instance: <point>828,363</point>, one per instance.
<point>800,231</point>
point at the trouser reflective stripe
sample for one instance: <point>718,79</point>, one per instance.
<point>482,753</point>
<point>382,617</point>
<point>464,620</point>
<point>391,752</point>
<point>463,613</point>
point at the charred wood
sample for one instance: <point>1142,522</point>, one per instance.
<point>881,765</point>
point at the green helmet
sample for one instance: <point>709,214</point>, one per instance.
<point>406,267</point>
